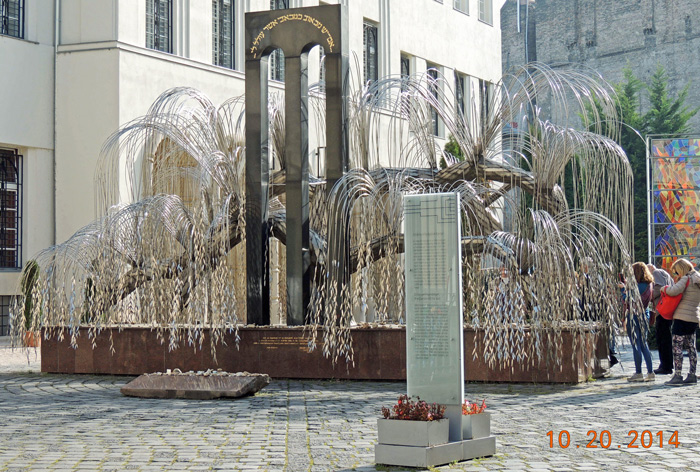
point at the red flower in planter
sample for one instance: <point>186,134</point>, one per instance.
<point>473,408</point>
<point>418,410</point>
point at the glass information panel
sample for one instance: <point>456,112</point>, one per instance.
<point>434,328</point>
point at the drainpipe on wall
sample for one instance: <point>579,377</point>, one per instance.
<point>56,39</point>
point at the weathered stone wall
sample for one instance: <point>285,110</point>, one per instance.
<point>607,35</point>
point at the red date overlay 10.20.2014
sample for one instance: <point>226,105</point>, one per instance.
<point>604,439</point>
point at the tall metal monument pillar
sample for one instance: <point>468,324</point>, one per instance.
<point>296,31</point>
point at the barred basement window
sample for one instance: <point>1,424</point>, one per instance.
<point>159,25</point>
<point>12,18</point>
<point>223,21</point>
<point>5,315</point>
<point>10,209</point>
<point>277,56</point>
<point>370,51</point>
<point>486,11</point>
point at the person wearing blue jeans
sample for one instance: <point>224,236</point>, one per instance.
<point>640,349</point>
<point>637,326</point>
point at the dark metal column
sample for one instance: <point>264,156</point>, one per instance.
<point>297,186</point>
<point>336,116</point>
<point>256,182</point>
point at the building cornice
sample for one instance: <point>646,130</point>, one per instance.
<point>141,51</point>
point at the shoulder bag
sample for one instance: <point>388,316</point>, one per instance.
<point>668,304</point>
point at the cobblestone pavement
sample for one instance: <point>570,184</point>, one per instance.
<point>61,422</point>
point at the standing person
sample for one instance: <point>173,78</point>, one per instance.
<point>636,330</point>
<point>663,326</point>
<point>685,319</point>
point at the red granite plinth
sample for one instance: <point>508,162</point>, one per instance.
<point>281,352</point>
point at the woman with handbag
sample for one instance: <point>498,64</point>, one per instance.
<point>636,330</point>
<point>686,318</point>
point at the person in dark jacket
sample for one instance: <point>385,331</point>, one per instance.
<point>663,326</point>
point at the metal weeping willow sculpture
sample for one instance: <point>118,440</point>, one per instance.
<point>546,217</point>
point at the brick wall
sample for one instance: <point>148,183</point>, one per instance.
<point>607,35</point>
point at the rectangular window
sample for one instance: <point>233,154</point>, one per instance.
<point>486,11</point>
<point>485,92</point>
<point>462,5</point>
<point>277,56</point>
<point>10,209</point>
<point>222,26</point>
<point>370,51</point>
<point>405,68</point>
<point>461,83</point>
<point>12,18</point>
<point>159,25</point>
<point>433,86</point>
<point>405,74</point>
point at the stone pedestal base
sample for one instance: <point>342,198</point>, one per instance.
<point>431,456</point>
<point>417,456</point>
<point>483,447</point>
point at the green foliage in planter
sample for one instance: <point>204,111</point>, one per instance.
<point>30,274</point>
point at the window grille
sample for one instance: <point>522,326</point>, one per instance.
<point>159,25</point>
<point>486,11</point>
<point>12,18</point>
<point>462,5</point>
<point>223,24</point>
<point>277,56</point>
<point>370,52</point>
<point>10,209</point>
<point>433,87</point>
<point>5,315</point>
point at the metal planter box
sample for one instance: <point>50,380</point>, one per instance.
<point>476,426</point>
<point>413,433</point>
<point>415,443</point>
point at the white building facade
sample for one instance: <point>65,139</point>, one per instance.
<point>73,71</point>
